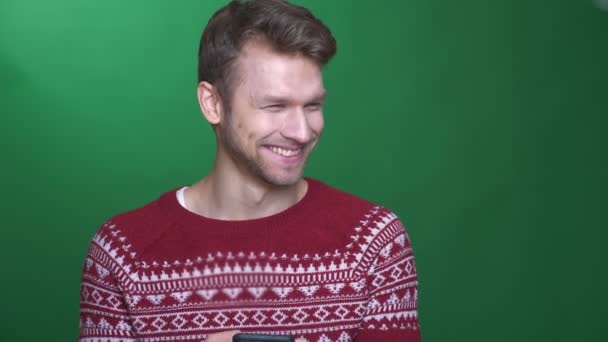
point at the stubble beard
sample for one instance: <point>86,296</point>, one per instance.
<point>257,167</point>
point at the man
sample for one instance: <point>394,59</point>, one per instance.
<point>254,246</point>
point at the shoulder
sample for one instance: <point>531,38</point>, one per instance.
<point>382,240</point>
<point>333,198</point>
<point>130,232</point>
<point>368,219</point>
<point>341,203</point>
<point>376,230</point>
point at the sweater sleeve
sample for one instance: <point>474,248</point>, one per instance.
<point>104,316</point>
<point>391,313</point>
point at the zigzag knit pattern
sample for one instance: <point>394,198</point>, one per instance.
<point>331,268</point>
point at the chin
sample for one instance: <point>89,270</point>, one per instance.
<point>282,180</point>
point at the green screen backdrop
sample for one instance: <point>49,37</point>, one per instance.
<point>481,123</point>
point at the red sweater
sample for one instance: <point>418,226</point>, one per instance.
<point>332,267</point>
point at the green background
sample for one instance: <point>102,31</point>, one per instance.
<point>481,123</point>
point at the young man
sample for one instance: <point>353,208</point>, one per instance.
<point>254,246</point>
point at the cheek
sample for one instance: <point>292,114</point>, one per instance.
<point>238,127</point>
<point>316,122</point>
<point>251,131</point>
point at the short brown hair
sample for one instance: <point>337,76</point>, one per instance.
<point>287,28</point>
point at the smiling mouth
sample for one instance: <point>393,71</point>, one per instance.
<point>285,152</point>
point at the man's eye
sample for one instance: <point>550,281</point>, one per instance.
<point>275,107</point>
<point>313,107</point>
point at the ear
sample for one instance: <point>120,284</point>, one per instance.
<point>210,102</point>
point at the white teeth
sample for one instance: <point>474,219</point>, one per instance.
<point>284,152</point>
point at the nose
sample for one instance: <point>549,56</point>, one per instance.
<point>297,127</point>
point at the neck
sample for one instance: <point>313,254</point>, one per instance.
<point>225,196</point>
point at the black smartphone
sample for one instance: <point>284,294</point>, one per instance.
<point>261,338</point>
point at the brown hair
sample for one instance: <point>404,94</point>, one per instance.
<point>287,28</point>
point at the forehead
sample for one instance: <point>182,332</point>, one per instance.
<point>264,72</point>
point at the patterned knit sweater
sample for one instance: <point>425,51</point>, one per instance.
<point>330,268</point>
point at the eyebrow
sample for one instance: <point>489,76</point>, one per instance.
<point>274,98</point>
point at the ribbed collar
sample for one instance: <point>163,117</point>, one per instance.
<point>299,212</point>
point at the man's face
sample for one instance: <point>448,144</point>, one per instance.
<point>276,114</point>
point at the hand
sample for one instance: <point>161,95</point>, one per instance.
<point>225,336</point>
